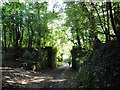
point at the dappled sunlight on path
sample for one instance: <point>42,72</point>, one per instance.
<point>56,78</point>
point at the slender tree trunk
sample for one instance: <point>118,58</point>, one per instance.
<point>91,19</point>
<point>112,20</point>
<point>5,44</point>
<point>103,15</point>
<point>4,32</point>
<point>10,36</point>
<point>13,35</point>
<point>108,26</point>
<point>29,45</point>
<point>78,38</point>
<point>99,17</point>
<point>21,38</point>
<point>39,31</point>
<point>31,34</point>
<point>38,41</point>
<point>17,36</point>
<point>105,28</point>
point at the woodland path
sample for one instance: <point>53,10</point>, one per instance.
<point>61,77</point>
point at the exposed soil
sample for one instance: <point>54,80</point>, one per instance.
<point>61,77</point>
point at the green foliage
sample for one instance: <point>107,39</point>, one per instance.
<point>39,57</point>
<point>84,77</point>
<point>28,21</point>
<point>81,19</point>
<point>38,27</point>
<point>42,57</point>
<point>101,68</point>
<point>31,25</point>
<point>29,56</point>
<point>59,64</point>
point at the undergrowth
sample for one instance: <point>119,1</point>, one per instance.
<point>101,68</point>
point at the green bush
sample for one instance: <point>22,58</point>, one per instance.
<point>29,56</point>
<point>39,57</point>
<point>101,68</point>
<point>42,59</point>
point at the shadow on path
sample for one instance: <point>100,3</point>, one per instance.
<point>61,77</point>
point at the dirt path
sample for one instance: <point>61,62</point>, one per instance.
<point>57,78</point>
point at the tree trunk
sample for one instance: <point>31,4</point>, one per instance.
<point>38,28</point>
<point>31,34</point>
<point>29,41</point>
<point>112,20</point>
<point>21,38</point>
<point>105,28</point>
<point>10,35</point>
<point>38,41</point>
<point>17,36</point>
<point>3,44</point>
<point>4,31</point>
<point>78,38</point>
<point>108,27</point>
<point>13,35</point>
<point>99,17</point>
